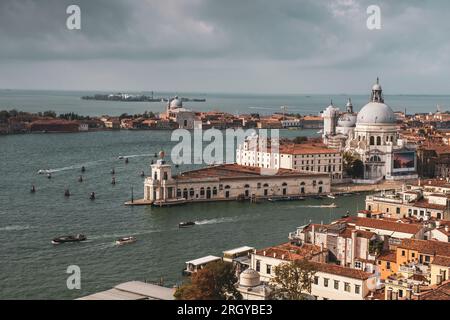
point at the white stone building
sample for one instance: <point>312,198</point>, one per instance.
<point>373,138</point>
<point>228,182</point>
<point>307,157</point>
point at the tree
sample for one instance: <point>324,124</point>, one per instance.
<point>292,281</point>
<point>299,140</point>
<point>214,282</point>
<point>50,114</point>
<point>353,166</point>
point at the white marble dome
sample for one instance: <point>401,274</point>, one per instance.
<point>176,103</point>
<point>376,113</point>
<point>347,120</point>
<point>249,278</point>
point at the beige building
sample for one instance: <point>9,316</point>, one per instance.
<point>228,182</point>
<point>331,282</point>
<point>305,157</point>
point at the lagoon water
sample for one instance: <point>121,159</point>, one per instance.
<point>31,267</point>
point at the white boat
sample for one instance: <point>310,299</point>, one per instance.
<point>331,196</point>
<point>125,240</point>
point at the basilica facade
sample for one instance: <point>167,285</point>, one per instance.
<point>372,136</point>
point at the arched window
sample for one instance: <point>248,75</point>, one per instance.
<point>372,141</point>
<point>320,182</point>
<point>215,191</point>
<point>191,192</point>
<point>246,186</point>
<point>302,184</point>
<point>266,185</point>
<point>227,187</point>
<point>178,193</point>
<point>202,191</point>
<point>284,184</point>
<point>378,141</point>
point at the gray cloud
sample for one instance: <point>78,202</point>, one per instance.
<point>233,45</point>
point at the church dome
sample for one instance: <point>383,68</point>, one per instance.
<point>347,120</point>
<point>376,111</point>
<point>249,278</point>
<point>176,103</point>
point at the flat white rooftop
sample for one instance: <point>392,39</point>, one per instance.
<point>133,290</point>
<point>203,260</point>
<point>238,250</point>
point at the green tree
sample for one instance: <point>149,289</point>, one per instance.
<point>293,281</point>
<point>353,166</point>
<point>214,282</point>
<point>299,140</point>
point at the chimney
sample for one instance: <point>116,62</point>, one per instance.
<point>274,254</point>
<point>264,253</point>
<point>313,234</point>
<point>353,247</point>
<point>282,257</point>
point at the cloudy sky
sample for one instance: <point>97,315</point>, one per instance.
<point>251,46</point>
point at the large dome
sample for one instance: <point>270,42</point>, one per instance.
<point>376,113</point>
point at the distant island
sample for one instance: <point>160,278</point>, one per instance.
<point>135,98</point>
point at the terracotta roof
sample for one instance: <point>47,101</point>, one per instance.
<point>430,247</point>
<point>441,261</point>
<point>439,293</point>
<point>233,171</point>
<point>383,224</point>
<point>390,256</point>
<point>426,204</point>
<point>342,271</point>
<point>307,148</point>
<point>290,252</point>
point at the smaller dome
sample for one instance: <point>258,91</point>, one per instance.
<point>176,103</point>
<point>347,120</point>
<point>249,278</point>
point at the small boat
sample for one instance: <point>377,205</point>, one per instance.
<point>120,158</point>
<point>64,239</point>
<point>331,196</point>
<point>67,193</point>
<point>42,171</point>
<point>83,169</point>
<point>33,189</point>
<point>125,240</point>
<point>126,160</point>
<point>186,224</point>
<point>333,205</point>
<point>142,174</point>
<point>92,197</point>
<point>113,171</point>
<point>113,181</point>
<point>49,175</point>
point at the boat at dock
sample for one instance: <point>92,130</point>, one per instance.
<point>290,198</point>
<point>331,196</point>
<point>71,238</point>
<point>186,224</point>
<point>126,240</point>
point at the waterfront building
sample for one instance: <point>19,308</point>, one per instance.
<point>373,138</point>
<point>331,281</point>
<point>195,265</point>
<point>239,257</point>
<point>185,118</point>
<point>228,182</point>
<point>346,245</point>
<point>433,160</point>
<point>424,200</point>
<point>307,157</point>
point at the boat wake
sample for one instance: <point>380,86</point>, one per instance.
<point>319,206</point>
<point>72,167</point>
<point>217,220</point>
<point>15,228</point>
<point>137,155</point>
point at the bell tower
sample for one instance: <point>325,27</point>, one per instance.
<point>157,185</point>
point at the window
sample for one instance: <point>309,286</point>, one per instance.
<point>202,191</point>
<point>336,284</point>
<point>413,255</point>
<point>258,265</point>
<point>358,265</point>
<point>400,293</point>
<point>191,192</point>
<point>403,253</point>
<point>268,269</point>
<point>388,265</point>
<point>347,287</point>
<point>165,175</point>
<point>325,282</point>
<point>357,289</point>
<point>316,280</point>
<point>398,210</point>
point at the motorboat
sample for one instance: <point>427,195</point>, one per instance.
<point>120,158</point>
<point>126,240</point>
<point>186,224</point>
<point>71,238</point>
<point>331,196</point>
